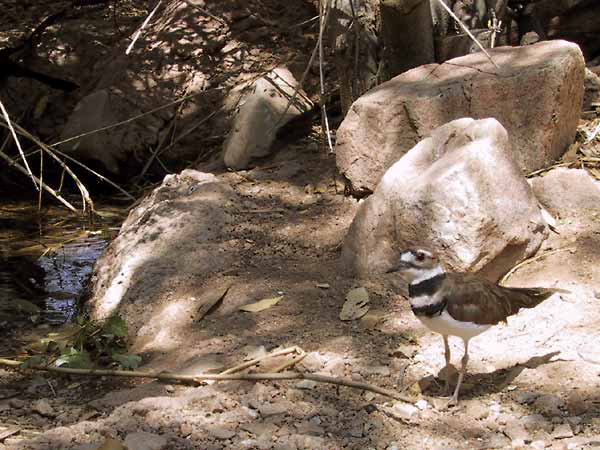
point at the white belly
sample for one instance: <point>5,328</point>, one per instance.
<point>448,326</point>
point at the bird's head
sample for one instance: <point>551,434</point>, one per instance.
<point>418,264</point>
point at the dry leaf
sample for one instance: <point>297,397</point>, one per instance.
<point>6,432</point>
<point>210,300</point>
<point>356,305</point>
<point>371,319</point>
<point>549,218</point>
<point>261,304</point>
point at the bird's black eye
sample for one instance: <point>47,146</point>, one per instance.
<point>420,256</point>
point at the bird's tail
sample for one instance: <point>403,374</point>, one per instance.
<point>531,297</point>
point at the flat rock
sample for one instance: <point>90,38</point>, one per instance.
<point>562,431</point>
<point>143,440</point>
<point>516,431</point>
<point>536,422</point>
<point>383,371</point>
<point>458,193</point>
<point>402,411</point>
<point>313,362</point>
<point>309,428</point>
<point>43,408</point>
<point>306,384</point>
<point>566,192</point>
<point>221,432</point>
<point>476,409</point>
<point>549,404</point>
<point>276,408</point>
<point>387,121</point>
<point>259,428</point>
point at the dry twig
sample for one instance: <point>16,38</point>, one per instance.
<point>324,14</point>
<point>18,144</point>
<point>200,378</point>
<point>466,30</point>
<point>20,168</point>
<point>139,31</point>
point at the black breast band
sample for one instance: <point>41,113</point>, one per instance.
<point>434,309</point>
<point>426,287</point>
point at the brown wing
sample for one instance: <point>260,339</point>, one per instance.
<point>477,300</point>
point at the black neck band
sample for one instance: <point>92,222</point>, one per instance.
<point>426,287</point>
<point>429,310</point>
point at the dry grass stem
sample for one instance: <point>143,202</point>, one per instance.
<point>17,143</point>
<point>140,29</point>
<point>466,30</point>
<point>20,168</point>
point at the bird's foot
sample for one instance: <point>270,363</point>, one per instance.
<point>451,403</point>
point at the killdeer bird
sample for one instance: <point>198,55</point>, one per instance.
<point>453,304</point>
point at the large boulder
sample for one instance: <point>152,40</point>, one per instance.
<point>459,193</point>
<point>100,109</point>
<point>536,94</point>
<point>167,246</point>
<point>268,106</point>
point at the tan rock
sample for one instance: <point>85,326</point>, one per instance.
<point>262,111</point>
<point>536,94</point>
<point>459,193</point>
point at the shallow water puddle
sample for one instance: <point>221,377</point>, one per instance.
<point>65,248</point>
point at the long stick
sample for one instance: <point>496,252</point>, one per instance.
<point>18,144</point>
<point>22,169</point>
<point>139,31</point>
<point>466,30</point>
<point>199,378</point>
<point>324,120</point>
<point>85,196</point>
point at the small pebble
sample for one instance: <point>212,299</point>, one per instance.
<point>422,404</point>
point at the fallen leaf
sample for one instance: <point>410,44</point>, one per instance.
<point>550,220</point>
<point>209,300</point>
<point>356,305</point>
<point>7,432</point>
<point>371,319</point>
<point>261,304</point>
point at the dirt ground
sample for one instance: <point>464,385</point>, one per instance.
<point>534,383</point>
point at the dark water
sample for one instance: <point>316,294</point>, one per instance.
<point>46,259</point>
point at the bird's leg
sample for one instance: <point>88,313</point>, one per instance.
<point>465,359</point>
<point>447,355</point>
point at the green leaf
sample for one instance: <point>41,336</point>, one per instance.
<point>77,359</point>
<point>114,326</point>
<point>37,360</point>
<point>127,362</point>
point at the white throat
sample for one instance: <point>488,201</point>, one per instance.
<point>415,276</point>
